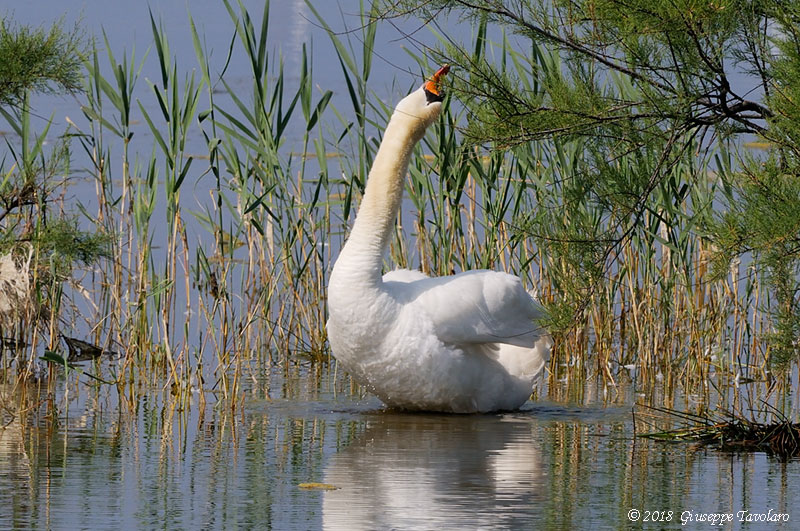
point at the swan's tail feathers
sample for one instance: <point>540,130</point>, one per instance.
<point>542,348</point>
<point>525,362</point>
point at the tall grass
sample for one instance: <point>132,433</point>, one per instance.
<point>221,257</point>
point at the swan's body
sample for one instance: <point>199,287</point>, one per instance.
<point>462,343</point>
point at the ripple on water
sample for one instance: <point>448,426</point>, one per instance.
<point>155,465</point>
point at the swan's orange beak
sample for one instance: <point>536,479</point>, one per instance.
<point>433,87</point>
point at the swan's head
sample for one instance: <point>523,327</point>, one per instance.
<point>425,103</point>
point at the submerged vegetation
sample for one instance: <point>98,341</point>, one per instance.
<point>197,263</point>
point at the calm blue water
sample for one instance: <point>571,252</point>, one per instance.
<point>551,466</point>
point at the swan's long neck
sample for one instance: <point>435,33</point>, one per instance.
<point>360,261</point>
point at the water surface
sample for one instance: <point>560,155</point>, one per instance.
<point>550,465</point>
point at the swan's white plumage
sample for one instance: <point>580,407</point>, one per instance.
<point>461,343</point>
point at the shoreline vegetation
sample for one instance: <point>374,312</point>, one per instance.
<point>125,280</point>
<point>729,432</point>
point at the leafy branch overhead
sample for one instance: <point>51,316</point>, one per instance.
<point>685,58</point>
<point>654,98</point>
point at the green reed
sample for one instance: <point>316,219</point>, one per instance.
<point>237,269</point>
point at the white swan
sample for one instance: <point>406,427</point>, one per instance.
<point>462,343</point>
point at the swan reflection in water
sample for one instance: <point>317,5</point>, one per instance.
<point>429,471</point>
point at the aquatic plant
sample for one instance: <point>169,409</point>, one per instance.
<point>732,432</point>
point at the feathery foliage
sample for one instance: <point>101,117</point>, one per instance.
<point>655,94</point>
<point>38,60</point>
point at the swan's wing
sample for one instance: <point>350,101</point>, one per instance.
<point>478,307</point>
<point>404,275</point>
